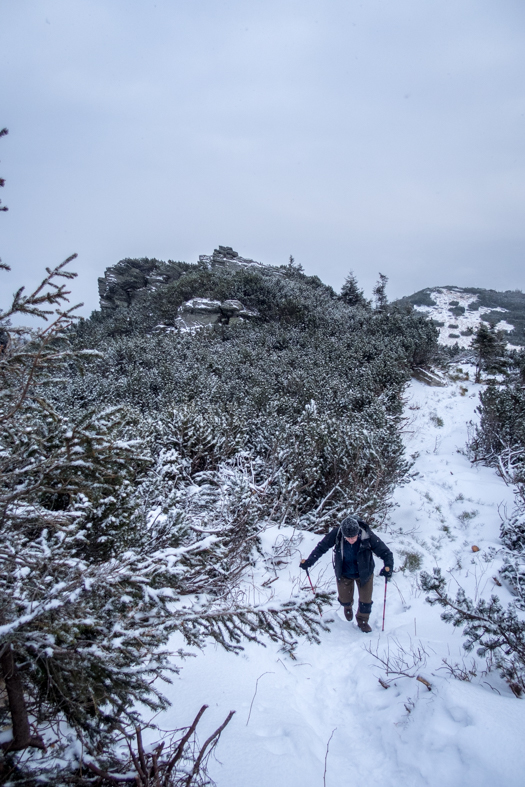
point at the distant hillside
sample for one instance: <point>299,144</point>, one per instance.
<point>457,312</point>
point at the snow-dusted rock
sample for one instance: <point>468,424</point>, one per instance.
<point>226,257</point>
<point>134,279</point>
<point>231,308</point>
<point>428,377</point>
<point>131,279</point>
<point>198,312</point>
<point>200,306</point>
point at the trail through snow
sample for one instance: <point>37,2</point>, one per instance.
<point>458,733</point>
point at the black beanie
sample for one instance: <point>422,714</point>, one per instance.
<point>350,527</point>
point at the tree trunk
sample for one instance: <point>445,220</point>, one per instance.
<point>22,737</point>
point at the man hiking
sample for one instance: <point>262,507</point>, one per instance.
<point>353,542</point>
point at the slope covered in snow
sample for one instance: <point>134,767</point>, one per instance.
<point>458,312</point>
<point>325,718</point>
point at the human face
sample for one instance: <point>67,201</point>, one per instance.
<point>353,539</point>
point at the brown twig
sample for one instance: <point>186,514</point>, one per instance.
<point>326,756</point>
<point>214,737</point>
<point>178,754</point>
<point>255,693</point>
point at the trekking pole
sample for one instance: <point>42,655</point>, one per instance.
<point>310,581</point>
<point>384,606</point>
<point>313,591</point>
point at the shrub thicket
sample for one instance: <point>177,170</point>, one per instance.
<point>311,391</point>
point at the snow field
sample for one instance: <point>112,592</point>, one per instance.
<point>288,712</point>
<point>470,320</point>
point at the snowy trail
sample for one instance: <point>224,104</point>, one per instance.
<point>459,733</point>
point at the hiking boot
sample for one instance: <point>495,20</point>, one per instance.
<point>349,613</point>
<point>363,625</point>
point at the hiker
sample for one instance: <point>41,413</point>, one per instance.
<point>353,543</point>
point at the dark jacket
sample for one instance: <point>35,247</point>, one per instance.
<point>370,543</point>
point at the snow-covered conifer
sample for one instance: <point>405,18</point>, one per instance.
<point>351,293</point>
<point>490,348</point>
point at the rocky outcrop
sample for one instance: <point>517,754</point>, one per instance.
<point>429,377</point>
<point>226,257</point>
<point>130,280</point>
<point>202,311</point>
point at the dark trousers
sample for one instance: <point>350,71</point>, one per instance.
<point>345,590</point>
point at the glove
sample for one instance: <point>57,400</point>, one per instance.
<point>303,564</point>
<point>386,572</point>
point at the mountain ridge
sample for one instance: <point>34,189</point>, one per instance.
<point>456,311</point>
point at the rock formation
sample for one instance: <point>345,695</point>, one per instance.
<point>226,257</point>
<point>203,311</point>
<point>131,279</point>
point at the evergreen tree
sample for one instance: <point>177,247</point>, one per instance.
<point>490,348</point>
<point>498,633</point>
<point>351,294</point>
<point>293,266</point>
<point>499,438</point>
<point>380,293</point>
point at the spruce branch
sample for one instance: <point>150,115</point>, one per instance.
<point>498,633</point>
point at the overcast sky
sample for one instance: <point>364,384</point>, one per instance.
<point>374,136</point>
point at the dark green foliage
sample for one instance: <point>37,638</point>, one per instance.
<point>286,295</point>
<point>493,318</point>
<point>421,298</point>
<point>499,441</point>
<point>491,351</point>
<point>513,301</point>
<point>351,293</point>
<point>512,534</point>
<point>496,632</point>
<point>501,430</point>
<point>457,311</point>
<point>518,362</point>
<point>412,561</point>
<point>312,389</point>
<point>379,292</point>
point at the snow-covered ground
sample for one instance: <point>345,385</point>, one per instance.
<point>455,326</point>
<point>324,719</point>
